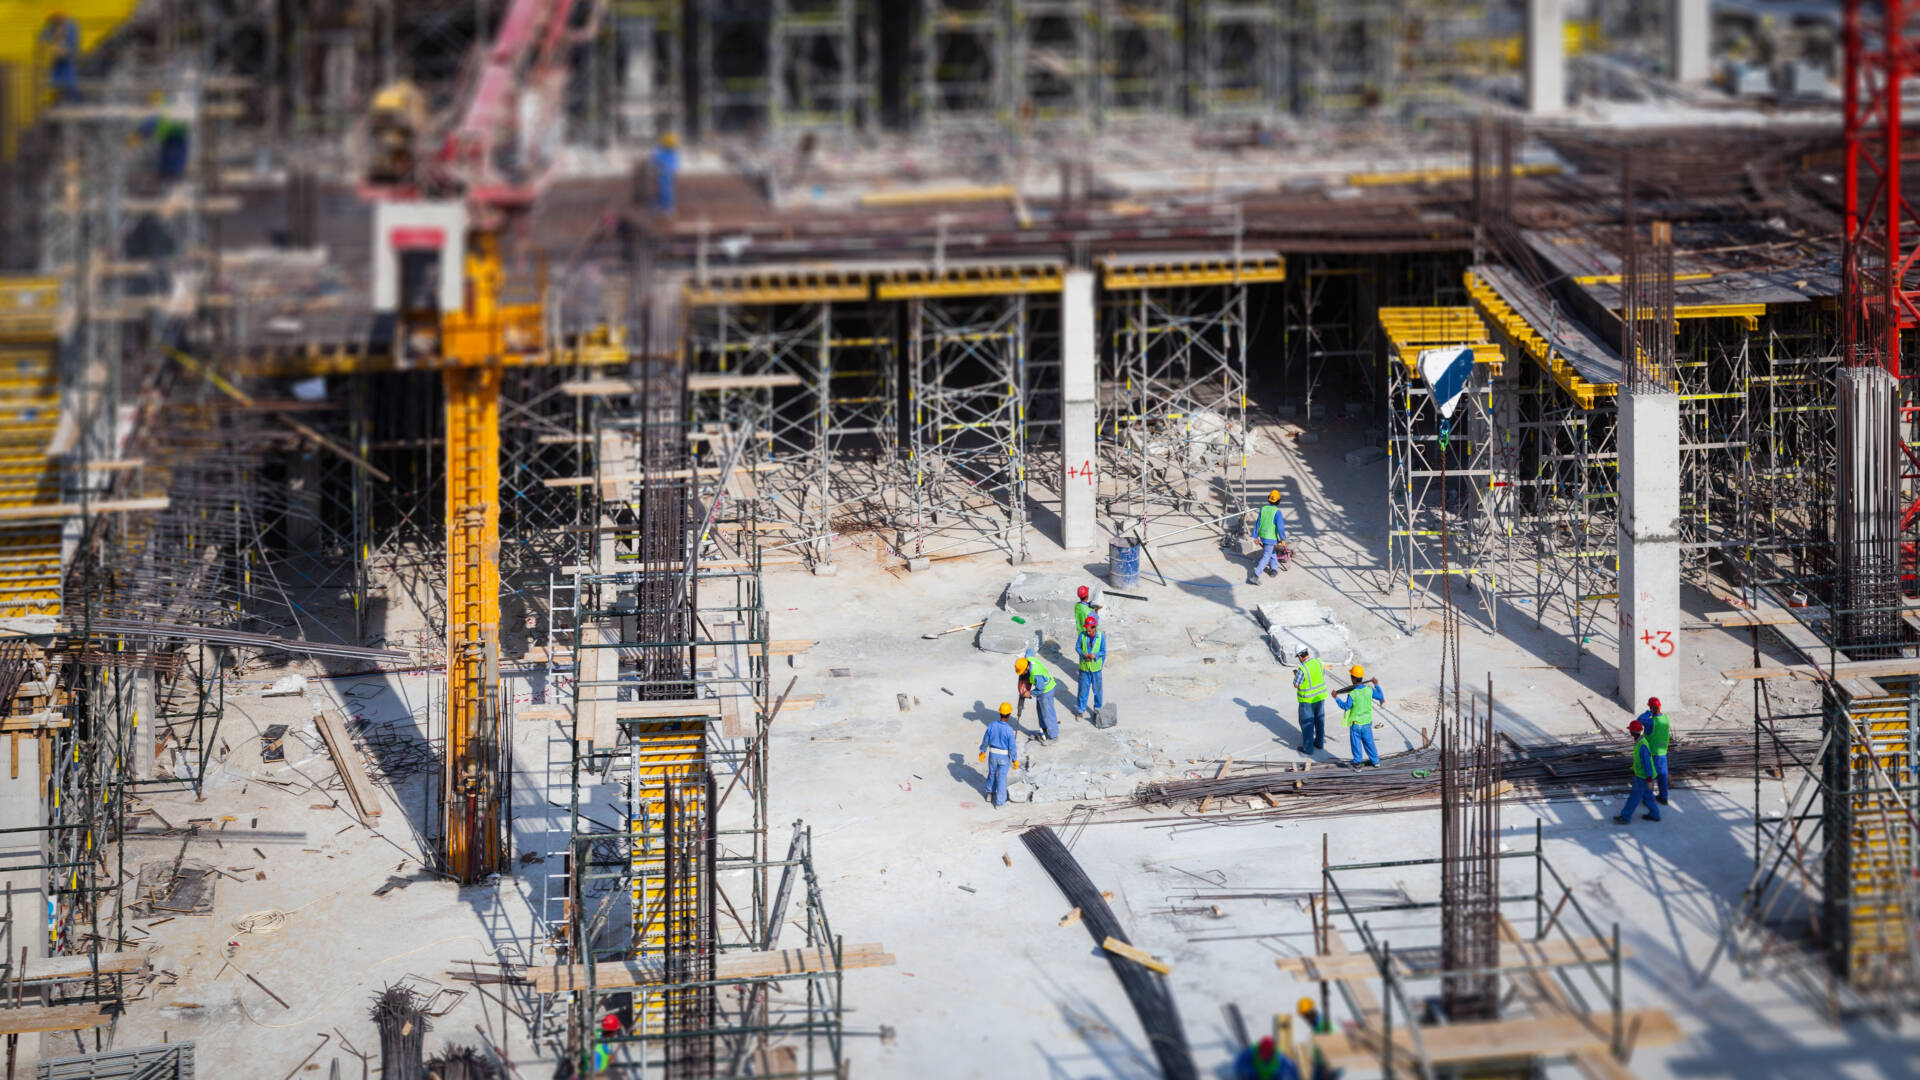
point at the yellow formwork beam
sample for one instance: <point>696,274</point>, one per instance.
<point>669,762</point>
<point>786,285</point>
<point>1412,329</point>
<point>1178,272</point>
<point>1443,174</point>
<point>978,279</point>
<point>1502,315</point>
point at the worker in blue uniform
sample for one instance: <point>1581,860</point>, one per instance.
<point>1271,530</point>
<point>1642,771</point>
<point>1036,682</point>
<point>1659,738</point>
<point>666,171</point>
<point>1000,753</point>
<point>60,37</point>
<point>1358,705</point>
<point>1091,646</point>
<point>1264,1061</point>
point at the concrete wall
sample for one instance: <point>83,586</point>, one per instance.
<point>1649,439</point>
<point>1690,40</point>
<point>20,806</point>
<point>1078,481</point>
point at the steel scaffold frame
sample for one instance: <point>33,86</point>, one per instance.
<point>1172,405</point>
<point>965,77</point>
<point>1140,70</point>
<point>1055,62</point>
<point>967,395</point>
<point>821,54</point>
<point>1245,52</point>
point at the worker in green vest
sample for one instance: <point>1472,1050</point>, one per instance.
<point>1091,647</point>
<point>1642,770</point>
<point>1271,529</point>
<point>1659,736</point>
<point>1033,680</point>
<point>1357,703</point>
<point>1084,607</point>
<point>1310,691</point>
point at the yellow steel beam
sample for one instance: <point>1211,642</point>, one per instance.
<point>1188,272</point>
<point>1502,315</point>
<point>794,285</point>
<point>469,782</point>
<point>1434,176</point>
<point>998,279</point>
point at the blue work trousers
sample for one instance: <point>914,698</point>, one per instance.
<point>1361,737</point>
<point>1049,721</point>
<point>1641,795</point>
<point>1660,773</point>
<point>1090,691</point>
<point>1313,725</point>
<point>1268,558</point>
<point>997,769</point>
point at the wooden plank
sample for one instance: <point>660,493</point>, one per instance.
<point>1139,956</point>
<point>695,383</point>
<point>1363,998</point>
<point>1846,669</point>
<point>27,723</point>
<point>618,974</point>
<point>776,647</point>
<point>52,1018</point>
<point>366,797</point>
<point>54,511</point>
<point>1557,952</point>
<point>1769,616</point>
<point>662,710</point>
<point>542,712</point>
<point>1498,1040</point>
<point>1543,992</point>
<point>664,474</point>
<point>60,968</point>
<point>731,726</point>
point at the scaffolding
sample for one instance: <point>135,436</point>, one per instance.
<point>1140,68</point>
<point>1243,58</point>
<point>964,77</point>
<point>1055,61</point>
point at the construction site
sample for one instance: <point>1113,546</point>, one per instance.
<point>529,528</point>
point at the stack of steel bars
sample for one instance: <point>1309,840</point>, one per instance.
<point>1147,989</point>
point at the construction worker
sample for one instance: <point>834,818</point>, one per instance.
<point>999,744</point>
<point>1642,770</point>
<point>1036,682</point>
<point>169,134</point>
<point>1310,691</point>
<point>1084,607</point>
<point>1318,1025</point>
<point>1091,646</point>
<point>602,1052</point>
<point>60,36</point>
<point>1263,1061</point>
<point>1272,530</point>
<point>1359,709</point>
<point>1659,735</point>
<point>666,169</point>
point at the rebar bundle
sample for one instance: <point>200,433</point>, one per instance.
<point>688,901</point>
<point>462,1063</point>
<point>1867,525</point>
<point>1146,989</point>
<point>1470,862</point>
<point>403,1031</point>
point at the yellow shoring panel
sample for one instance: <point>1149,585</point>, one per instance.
<point>473,616</point>
<point>1187,271</point>
<point>29,414</point>
<point>1523,336</point>
<point>1411,329</point>
<point>1881,841</point>
<point>991,279</point>
<point>795,285</point>
<point>664,752</point>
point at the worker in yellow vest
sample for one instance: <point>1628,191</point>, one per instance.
<point>1310,692</point>
<point>1659,736</point>
<point>1358,703</point>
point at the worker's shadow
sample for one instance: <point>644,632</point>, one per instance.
<point>1269,717</point>
<point>962,771</point>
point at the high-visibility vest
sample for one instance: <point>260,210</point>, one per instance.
<point>1092,645</point>
<point>1638,745</point>
<point>1360,713</point>
<point>1038,676</point>
<point>1659,734</point>
<point>1081,609</point>
<point>1313,682</point>
<point>1267,531</point>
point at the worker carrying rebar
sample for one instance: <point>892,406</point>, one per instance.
<point>1359,709</point>
<point>1310,691</point>
<point>1659,735</point>
<point>1084,607</point>
<point>1271,529</point>
<point>666,171</point>
<point>1091,647</point>
<point>1000,752</point>
<point>60,37</point>
<point>1642,770</point>
<point>1264,1061</point>
<point>1036,682</point>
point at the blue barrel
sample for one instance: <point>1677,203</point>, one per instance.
<point>1123,563</point>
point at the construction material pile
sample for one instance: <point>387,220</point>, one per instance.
<point>1411,781</point>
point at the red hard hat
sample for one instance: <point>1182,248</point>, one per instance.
<point>1266,1048</point>
<point>1091,621</point>
<point>1083,592</point>
<point>1653,704</point>
<point>609,1023</point>
<point>1636,727</point>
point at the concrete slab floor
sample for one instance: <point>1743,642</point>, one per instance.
<point>910,854</point>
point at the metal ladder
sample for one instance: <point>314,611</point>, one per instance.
<point>562,605</point>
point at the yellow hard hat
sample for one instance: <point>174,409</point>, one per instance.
<point>1006,709</point>
<point>1020,666</point>
<point>669,140</point>
<point>1273,496</point>
<point>1357,671</point>
<point>1307,1006</point>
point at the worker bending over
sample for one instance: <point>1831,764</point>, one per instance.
<point>1659,735</point>
<point>1358,706</point>
<point>1036,682</point>
<point>1642,769</point>
<point>1310,691</point>
<point>1000,754</point>
<point>1084,607</point>
<point>1091,645</point>
<point>1271,530</point>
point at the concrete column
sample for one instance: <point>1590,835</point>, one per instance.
<point>22,807</point>
<point>1078,376</point>
<point>1690,40</point>
<point>141,715</point>
<point>1649,436</point>
<point>1546,55</point>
